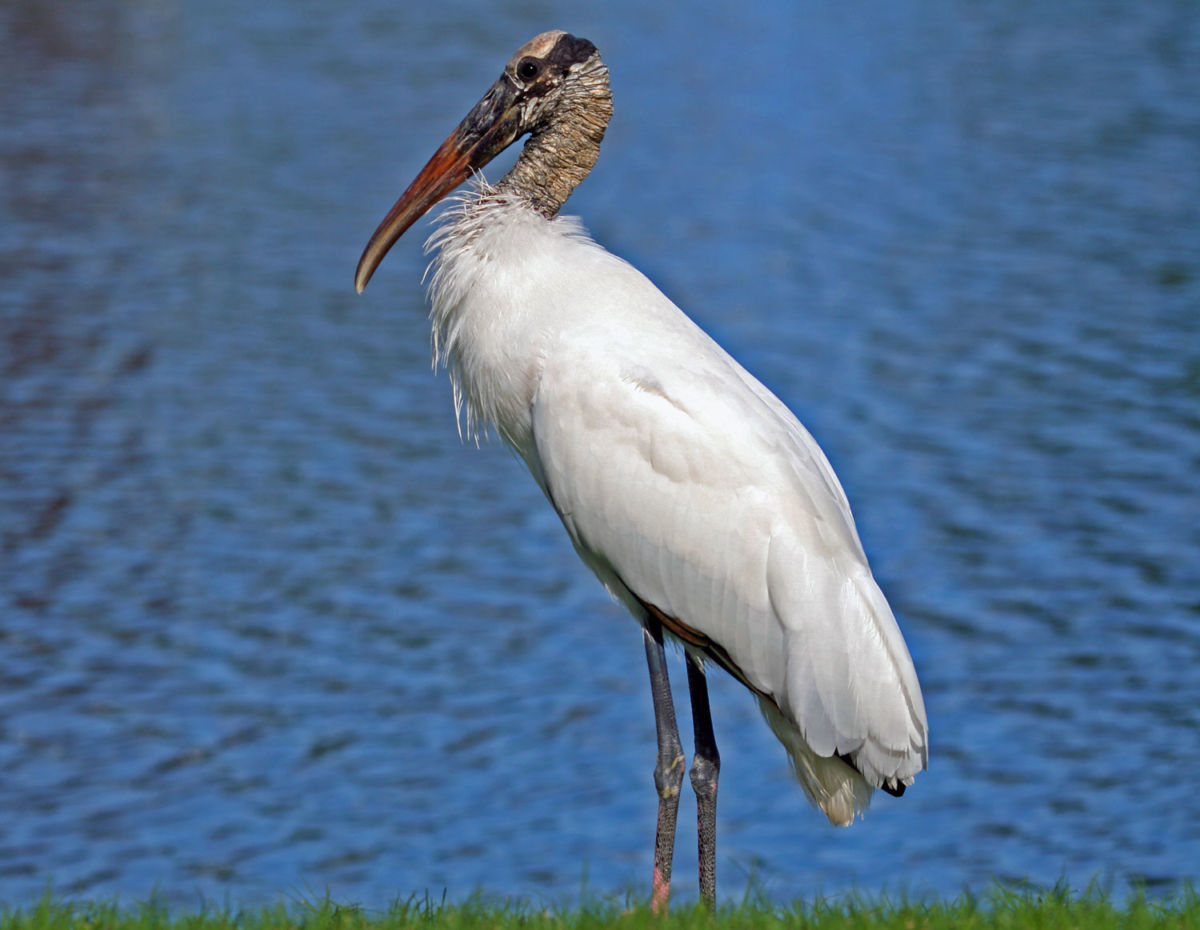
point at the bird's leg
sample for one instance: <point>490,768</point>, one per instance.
<point>668,771</point>
<point>706,765</point>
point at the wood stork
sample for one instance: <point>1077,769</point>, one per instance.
<point>693,493</point>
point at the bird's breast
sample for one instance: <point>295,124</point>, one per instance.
<point>484,321</point>
<point>507,285</point>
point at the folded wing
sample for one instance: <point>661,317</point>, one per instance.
<point>692,491</point>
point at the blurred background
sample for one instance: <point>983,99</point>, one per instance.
<point>268,629</point>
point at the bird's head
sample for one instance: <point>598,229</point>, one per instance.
<point>553,77</point>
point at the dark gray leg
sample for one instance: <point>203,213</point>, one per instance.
<point>668,772</point>
<point>706,765</point>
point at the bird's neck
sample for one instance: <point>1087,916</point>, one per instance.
<point>559,155</point>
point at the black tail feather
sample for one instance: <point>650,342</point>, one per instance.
<point>896,790</point>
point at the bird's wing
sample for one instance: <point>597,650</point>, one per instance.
<point>684,483</point>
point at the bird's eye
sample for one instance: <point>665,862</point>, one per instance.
<point>527,70</point>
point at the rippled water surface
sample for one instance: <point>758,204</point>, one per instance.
<point>267,627</point>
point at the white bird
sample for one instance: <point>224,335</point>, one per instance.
<point>693,493</point>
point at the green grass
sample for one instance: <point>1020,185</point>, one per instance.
<point>1002,910</point>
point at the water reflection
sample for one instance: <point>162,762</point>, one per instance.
<point>267,625</point>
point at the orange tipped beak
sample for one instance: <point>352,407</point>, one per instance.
<point>492,126</point>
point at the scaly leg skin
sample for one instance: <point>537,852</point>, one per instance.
<point>706,765</point>
<point>668,771</point>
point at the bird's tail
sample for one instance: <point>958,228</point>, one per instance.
<point>830,784</point>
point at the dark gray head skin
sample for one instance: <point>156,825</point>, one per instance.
<point>555,88</point>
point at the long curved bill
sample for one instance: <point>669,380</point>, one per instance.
<point>492,126</point>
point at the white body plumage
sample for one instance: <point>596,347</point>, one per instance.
<point>684,484</point>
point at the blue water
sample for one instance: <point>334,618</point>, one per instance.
<point>267,628</point>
